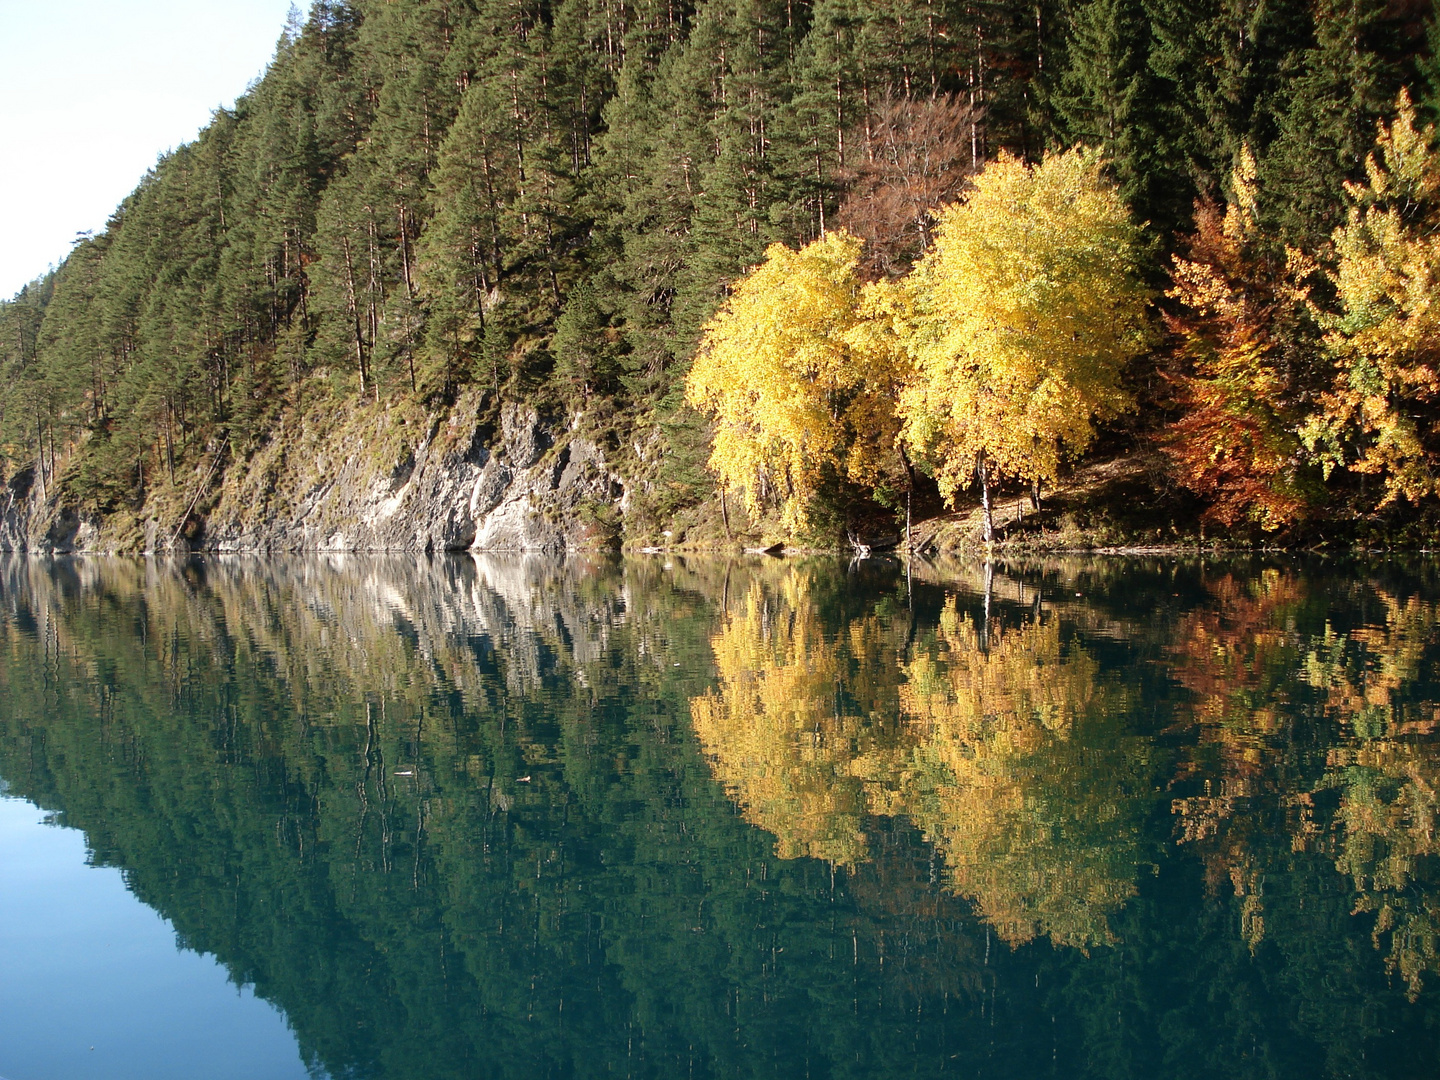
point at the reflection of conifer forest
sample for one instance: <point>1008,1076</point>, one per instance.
<point>743,819</point>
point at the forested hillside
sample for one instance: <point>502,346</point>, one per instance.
<point>423,202</point>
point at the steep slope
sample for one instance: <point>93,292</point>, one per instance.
<point>438,210</point>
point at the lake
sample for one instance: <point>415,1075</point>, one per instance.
<point>666,817</point>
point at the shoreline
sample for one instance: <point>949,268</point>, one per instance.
<point>979,553</point>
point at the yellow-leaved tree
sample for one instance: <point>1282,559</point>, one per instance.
<point>1024,314</point>
<point>801,384</point>
<point>1379,417</point>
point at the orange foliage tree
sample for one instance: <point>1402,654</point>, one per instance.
<point>1242,322</point>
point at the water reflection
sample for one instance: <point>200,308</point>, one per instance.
<point>1032,778</point>
<point>803,726</point>
<point>1316,721</point>
<point>998,740</point>
<point>763,818</point>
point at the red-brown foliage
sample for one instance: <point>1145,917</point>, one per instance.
<point>1243,337</point>
<point>917,157</point>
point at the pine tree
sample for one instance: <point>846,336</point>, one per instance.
<point>585,347</point>
<point>1334,94</point>
<point>1108,97</point>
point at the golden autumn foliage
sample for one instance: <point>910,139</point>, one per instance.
<point>801,392</point>
<point>1016,755</point>
<point>1025,312</point>
<point>1379,417</point>
<point>799,721</point>
<point>999,351</point>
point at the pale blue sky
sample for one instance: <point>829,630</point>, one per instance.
<point>92,91</point>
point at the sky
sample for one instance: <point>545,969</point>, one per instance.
<point>93,91</point>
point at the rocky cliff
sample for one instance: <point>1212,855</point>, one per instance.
<point>373,481</point>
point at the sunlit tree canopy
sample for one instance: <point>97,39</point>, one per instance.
<point>1026,311</point>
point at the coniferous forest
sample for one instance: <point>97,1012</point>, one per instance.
<point>548,202</point>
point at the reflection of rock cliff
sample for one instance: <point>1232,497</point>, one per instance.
<point>446,813</point>
<point>344,617</point>
<point>522,485</point>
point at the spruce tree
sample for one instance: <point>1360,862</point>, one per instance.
<point>1107,96</point>
<point>1334,93</point>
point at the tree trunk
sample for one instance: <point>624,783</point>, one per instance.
<point>169,443</point>
<point>1035,494</point>
<point>909,544</point>
<point>40,460</point>
<point>354,305</point>
<point>982,473</point>
<point>909,493</point>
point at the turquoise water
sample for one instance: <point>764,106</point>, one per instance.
<point>460,817</point>
<point>94,984</point>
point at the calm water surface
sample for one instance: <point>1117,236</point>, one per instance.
<point>471,818</point>
<point>93,985</point>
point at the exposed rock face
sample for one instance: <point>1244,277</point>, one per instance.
<point>530,486</point>
<point>15,511</point>
<point>29,523</point>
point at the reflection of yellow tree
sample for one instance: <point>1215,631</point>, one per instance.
<point>1388,778</point>
<point>1038,820</point>
<point>797,722</point>
<point>1371,701</point>
<point>1388,807</point>
<point>995,750</point>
